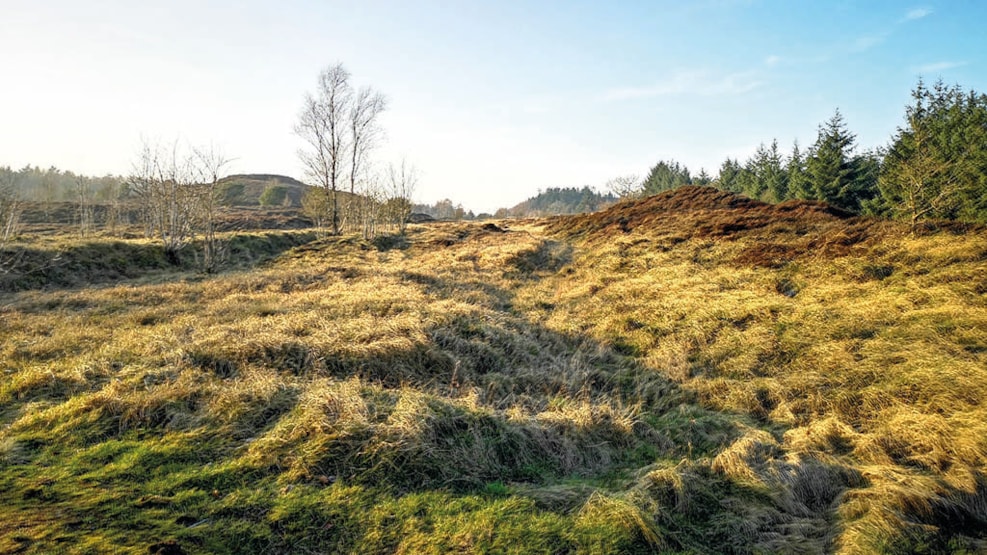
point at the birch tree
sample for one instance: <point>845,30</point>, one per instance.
<point>10,213</point>
<point>322,124</point>
<point>209,166</point>
<point>84,202</point>
<point>176,189</point>
<point>402,181</point>
<point>365,132</point>
<point>340,128</point>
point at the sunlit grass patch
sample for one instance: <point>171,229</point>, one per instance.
<point>519,391</point>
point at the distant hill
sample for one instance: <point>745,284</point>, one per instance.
<point>560,201</point>
<point>248,190</point>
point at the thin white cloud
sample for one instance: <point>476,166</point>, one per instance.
<point>702,83</point>
<point>772,60</point>
<point>862,44</point>
<point>917,13</point>
<point>936,67</point>
<point>866,42</point>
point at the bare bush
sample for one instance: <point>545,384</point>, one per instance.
<point>209,166</point>
<point>176,189</point>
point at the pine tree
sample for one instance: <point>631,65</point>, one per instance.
<point>798,180</point>
<point>703,178</point>
<point>772,174</point>
<point>665,176</point>
<point>863,190</point>
<point>730,171</point>
<point>936,166</point>
<point>751,182</point>
<point>835,174</point>
<point>746,181</point>
<point>829,167</point>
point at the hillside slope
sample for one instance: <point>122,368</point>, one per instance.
<point>689,373</point>
<point>247,189</point>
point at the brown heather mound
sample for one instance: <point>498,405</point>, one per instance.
<point>705,211</point>
<point>776,233</point>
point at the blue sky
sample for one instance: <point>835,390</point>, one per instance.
<point>490,100</point>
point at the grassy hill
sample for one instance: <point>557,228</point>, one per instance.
<point>690,373</point>
<point>247,189</point>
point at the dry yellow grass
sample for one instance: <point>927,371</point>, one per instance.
<point>550,390</point>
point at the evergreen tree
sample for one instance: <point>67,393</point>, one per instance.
<point>936,166</point>
<point>798,180</point>
<point>973,133</point>
<point>747,182</point>
<point>828,166</point>
<point>729,178</point>
<point>768,180</point>
<point>863,189</point>
<point>273,195</point>
<point>835,174</point>
<point>665,176</point>
<point>703,178</point>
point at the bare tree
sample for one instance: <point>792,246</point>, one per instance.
<point>209,167</point>
<point>323,125</point>
<point>340,127</point>
<point>176,189</point>
<point>48,191</point>
<point>10,214</point>
<point>365,132</point>
<point>84,200</point>
<point>110,193</point>
<point>402,181</point>
<point>160,178</point>
<point>371,196</point>
<point>926,183</point>
<point>625,186</point>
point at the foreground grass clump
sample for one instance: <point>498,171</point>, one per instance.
<point>714,378</point>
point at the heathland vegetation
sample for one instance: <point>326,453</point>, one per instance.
<point>793,364</point>
<point>691,372</point>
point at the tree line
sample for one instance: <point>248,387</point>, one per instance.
<point>174,190</point>
<point>935,166</point>
<point>446,209</point>
<point>553,201</point>
<point>556,201</point>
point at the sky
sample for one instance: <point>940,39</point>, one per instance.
<point>490,101</point>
